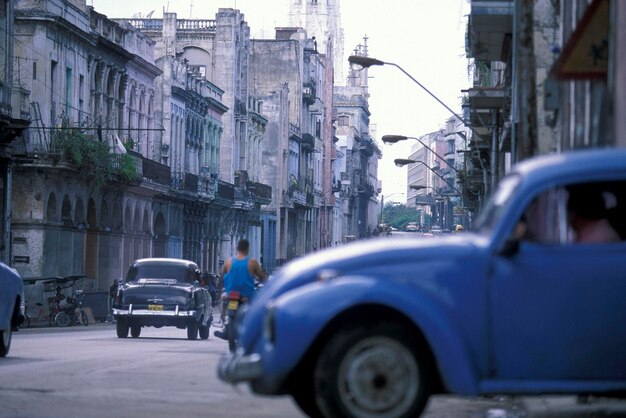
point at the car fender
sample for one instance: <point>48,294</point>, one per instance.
<point>301,315</point>
<point>10,288</point>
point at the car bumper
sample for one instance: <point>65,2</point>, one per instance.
<point>145,312</point>
<point>236,368</point>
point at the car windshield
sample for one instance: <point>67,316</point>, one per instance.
<point>160,272</point>
<point>496,205</point>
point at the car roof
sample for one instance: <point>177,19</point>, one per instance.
<point>572,163</point>
<point>174,261</point>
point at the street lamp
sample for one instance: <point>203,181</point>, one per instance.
<point>392,139</point>
<point>382,204</point>
<point>401,162</point>
<point>358,63</point>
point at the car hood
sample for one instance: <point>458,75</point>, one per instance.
<point>358,258</point>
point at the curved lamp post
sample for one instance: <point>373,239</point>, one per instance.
<point>392,139</point>
<point>401,162</point>
<point>358,62</point>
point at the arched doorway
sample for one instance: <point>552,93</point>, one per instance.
<point>50,257</point>
<point>91,241</point>
<point>160,239</point>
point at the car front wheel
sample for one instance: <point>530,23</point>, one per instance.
<point>5,341</point>
<point>374,371</point>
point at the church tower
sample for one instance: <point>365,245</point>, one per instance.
<point>322,19</point>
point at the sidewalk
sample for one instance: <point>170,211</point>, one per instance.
<point>573,407</point>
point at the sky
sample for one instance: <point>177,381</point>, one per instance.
<point>425,37</point>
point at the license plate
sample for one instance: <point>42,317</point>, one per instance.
<point>155,307</point>
<point>233,305</point>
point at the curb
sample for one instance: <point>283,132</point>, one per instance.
<point>573,407</point>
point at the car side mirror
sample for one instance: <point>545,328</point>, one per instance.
<point>510,247</point>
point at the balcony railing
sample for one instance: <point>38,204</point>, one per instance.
<point>225,191</point>
<point>195,24</point>
<point>260,190</point>
<point>308,92</point>
<point>308,142</point>
<point>157,172</point>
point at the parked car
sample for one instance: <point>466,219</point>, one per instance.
<point>160,292</point>
<point>519,306</point>
<point>11,306</point>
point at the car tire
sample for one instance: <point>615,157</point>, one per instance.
<point>192,330</point>
<point>5,341</point>
<point>203,330</point>
<point>121,328</point>
<point>304,396</point>
<point>62,319</point>
<point>135,331</point>
<point>372,371</point>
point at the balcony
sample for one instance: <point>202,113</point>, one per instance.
<point>490,29</point>
<point>308,92</point>
<point>367,146</point>
<point>262,192</point>
<point>294,132</point>
<point>185,182</point>
<point>225,193</point>
<point>157,172</point>
<point>243,199</point>
<point>207,187</point>
<point>308,142</point>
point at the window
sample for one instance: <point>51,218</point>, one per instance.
<point>582,213</point>
<point>81,97</point>
<point>68,91</point>
<point>343,120</point>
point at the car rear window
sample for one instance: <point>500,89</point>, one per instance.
<point>160,272</point>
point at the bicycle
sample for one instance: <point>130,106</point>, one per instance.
<point>73,313</point>
<point>26,323</point>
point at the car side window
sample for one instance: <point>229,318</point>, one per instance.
<point>543,221</point>
<point>579,213</point>
<point>596,212</point>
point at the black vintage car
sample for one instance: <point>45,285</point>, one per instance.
<point>160,292</point>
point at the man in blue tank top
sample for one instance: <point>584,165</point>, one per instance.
<point>239,271</point>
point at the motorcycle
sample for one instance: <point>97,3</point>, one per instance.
<point>235,301</point>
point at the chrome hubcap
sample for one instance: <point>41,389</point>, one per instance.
<point>378,377</point>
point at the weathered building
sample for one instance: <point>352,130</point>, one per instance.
<point>81,206</point>
<point>218,51</point>
<point>359,170</point>
<point>321,19</point>
<point>14,118</point>
<point>289,75</point>
<point>547,78</point>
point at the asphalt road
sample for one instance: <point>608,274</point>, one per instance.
<point>89,372</point>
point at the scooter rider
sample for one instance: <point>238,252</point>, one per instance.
<point>239,273</point>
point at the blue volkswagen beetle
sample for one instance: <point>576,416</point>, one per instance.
<point>531,302</point>
<point>11,305</point>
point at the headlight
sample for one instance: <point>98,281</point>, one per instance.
<point>269,324</point>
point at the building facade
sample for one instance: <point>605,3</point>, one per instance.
<point>358,165</point>
<point>290,77</point>
<point>218,51</point>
